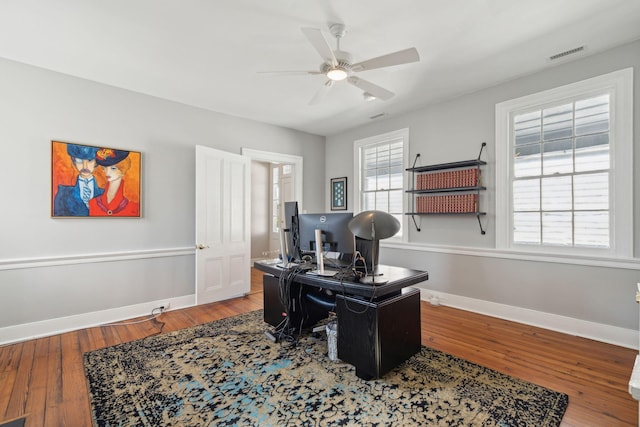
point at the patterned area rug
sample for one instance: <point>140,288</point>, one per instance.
<point>227,373</point>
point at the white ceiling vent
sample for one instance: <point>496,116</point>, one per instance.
<point>566,53</point>
<point>376,116</point>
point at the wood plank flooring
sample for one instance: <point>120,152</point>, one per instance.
<point>44,380</point>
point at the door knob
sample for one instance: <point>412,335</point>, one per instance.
<point>201,246</point>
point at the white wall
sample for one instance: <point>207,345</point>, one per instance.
<point>464,263</point>
<point>260,204</point>
<point>60,271</point>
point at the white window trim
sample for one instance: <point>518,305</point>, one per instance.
<point>357,145</point>
<point>620,83</point>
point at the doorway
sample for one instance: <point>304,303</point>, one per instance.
<point>275,179</point>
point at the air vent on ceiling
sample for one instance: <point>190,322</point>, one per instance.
<point>376,116</point>
<point>566,53</point>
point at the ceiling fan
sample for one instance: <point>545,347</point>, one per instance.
<point>337,65</point>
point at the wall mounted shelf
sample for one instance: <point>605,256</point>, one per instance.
<point>447,189</point>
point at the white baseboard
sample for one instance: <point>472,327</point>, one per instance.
<point>609,334</point>
<point>568,325</point>
<point>27,331</point>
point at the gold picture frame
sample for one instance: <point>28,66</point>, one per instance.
<point>89,181</point>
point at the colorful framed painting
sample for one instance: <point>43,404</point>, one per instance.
<point>89,181</point>
<point>339,194</point>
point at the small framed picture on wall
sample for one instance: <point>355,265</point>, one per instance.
<point>339,194</point>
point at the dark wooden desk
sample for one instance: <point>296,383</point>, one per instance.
<point>378,326</point>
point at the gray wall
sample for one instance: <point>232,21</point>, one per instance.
<point>260,213</point>
<point>453,130</point>
<point>37,106</point>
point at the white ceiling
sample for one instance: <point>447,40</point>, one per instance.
<point>209,53</point>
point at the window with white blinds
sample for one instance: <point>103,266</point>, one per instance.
<point>561,174</point>
<point>380,174</point>
<point>566,169</point>
<point>275,199</point>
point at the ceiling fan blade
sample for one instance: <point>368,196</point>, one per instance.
<point>319,96</point>
<point>373,89</point>
<point>290,72</point>
<point>317,40</point>
<point>401,57</point>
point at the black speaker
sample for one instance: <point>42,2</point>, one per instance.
<point>292,230</point>
<point>365,247</point>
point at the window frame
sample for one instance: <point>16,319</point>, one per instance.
<point>275,202</point>
<point>619,85</point>
<point>358,145</point>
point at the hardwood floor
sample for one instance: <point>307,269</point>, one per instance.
<point>44,380</point>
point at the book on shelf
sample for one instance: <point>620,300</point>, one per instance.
<point>458,178</point>
<point>451,203</point>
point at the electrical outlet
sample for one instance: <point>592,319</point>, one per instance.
<point>164,306</point>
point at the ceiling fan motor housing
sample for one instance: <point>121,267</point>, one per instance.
<point>344,65</point>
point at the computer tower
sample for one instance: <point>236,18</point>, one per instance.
<point>274,311</point>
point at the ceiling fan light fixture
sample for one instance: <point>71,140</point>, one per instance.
<point>337,74</point>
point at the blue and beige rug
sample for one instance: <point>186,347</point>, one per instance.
<point>227,373</point>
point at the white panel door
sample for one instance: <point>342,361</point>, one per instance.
<point>223,225</point>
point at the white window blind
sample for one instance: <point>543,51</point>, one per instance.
<point>561,174</point>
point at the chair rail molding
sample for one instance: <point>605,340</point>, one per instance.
<point>21,263</point>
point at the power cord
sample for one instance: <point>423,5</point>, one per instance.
<point>358,270</point>
<point>152,317</point>
<point>283,332</point>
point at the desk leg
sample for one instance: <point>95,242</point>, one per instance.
<point>381,338</point>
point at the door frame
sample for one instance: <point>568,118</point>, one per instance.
<point>272,157</point>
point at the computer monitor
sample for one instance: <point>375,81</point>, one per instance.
<point>338,241</point>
